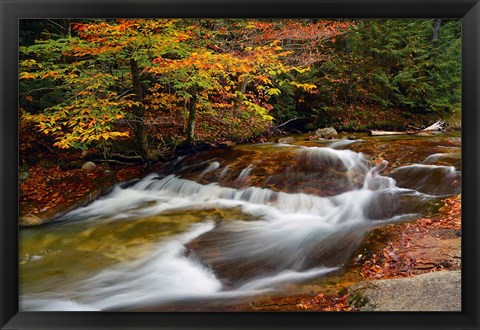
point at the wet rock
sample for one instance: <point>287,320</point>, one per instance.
<point>287,139</point>
<point>30,220</point>
<point>327,182</point>
<point>424,134</point>
<point>444,233</point>
<point>386,205</point>
<point>455,142</point>
<point>326,133</point>
<point>428,179</point>
<point>437,291</point>
<point>89,166</point>
<point>226,145</point>
<point>235,259</point>
<point>447,159</point>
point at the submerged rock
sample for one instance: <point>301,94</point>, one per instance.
<point>424,134</point>
<point>287,139</point>
<point>241,253</point>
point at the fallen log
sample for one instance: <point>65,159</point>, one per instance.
<point>114,161</point>
<point>112,157</point>
<point>386,133</point>
<point>432,129</point>
<point>437,126</point>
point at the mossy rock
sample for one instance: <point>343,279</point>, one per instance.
<point>357,300</point>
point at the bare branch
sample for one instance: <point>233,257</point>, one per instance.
<point>59,25</point>
<point>290,120</point>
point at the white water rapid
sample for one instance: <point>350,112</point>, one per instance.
<point>276,238</point>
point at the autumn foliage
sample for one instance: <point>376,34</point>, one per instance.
<point>195,78</point>
<point>49,186</point>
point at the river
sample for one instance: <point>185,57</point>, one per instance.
<point>222,227</point>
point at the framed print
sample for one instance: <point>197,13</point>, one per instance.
<point>203,164</point>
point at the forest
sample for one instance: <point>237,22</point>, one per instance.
<point>146,87</point>
<point>240,164</point>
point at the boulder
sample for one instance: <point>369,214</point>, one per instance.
<point>89,166</point>
<point>326,133</point>
<point>287,139</point>
<point>437,291</point>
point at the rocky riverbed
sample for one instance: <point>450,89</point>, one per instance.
<point>304,226</point>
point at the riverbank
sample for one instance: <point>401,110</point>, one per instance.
<point>58,182</point>
<point>47,191</point>
<point>419,268</point>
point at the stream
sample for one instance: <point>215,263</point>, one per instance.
<point>225,226</point>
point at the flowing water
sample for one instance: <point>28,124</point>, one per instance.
<point>212,229</point>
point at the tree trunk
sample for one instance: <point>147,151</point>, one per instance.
<point>237,108</point>
<point>436,29</point>
<point>139,112</point>
<point>192,111</point>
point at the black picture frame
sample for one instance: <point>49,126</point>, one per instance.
<point>12,11</point>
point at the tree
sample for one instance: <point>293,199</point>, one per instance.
<point>89,83</point>
<point>92,67</point>
<point>401,63</point>
<point>87,108</point>
<point>214,74</point>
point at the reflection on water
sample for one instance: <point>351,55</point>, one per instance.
<point>223,225</point>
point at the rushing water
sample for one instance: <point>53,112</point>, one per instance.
<point>224,225</point>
